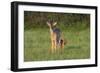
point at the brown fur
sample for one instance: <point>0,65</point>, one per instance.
<point>54,46</point>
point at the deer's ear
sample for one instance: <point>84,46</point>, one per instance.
<point>48,23</point>
<point>54,23</point>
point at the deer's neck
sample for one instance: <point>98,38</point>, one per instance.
<point>51,30</point>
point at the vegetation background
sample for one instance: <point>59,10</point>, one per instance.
<point>75,28</point>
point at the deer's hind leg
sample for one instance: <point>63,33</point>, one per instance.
<point>62,45</point>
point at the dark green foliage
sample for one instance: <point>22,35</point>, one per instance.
<point>39,19</point>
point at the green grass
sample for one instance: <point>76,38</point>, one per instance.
<point>37,45</point>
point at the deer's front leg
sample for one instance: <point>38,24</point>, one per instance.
<point>52,46</point>
<point>55,45</point>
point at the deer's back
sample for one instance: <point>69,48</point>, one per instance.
<point>58,34</point>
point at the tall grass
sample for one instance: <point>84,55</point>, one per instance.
<point>37,44</point>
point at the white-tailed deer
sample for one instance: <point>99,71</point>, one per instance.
<point>57,41</point>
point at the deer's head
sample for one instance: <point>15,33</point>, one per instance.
<point>51,23</point>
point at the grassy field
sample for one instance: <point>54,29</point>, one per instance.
<point>37,45</point>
